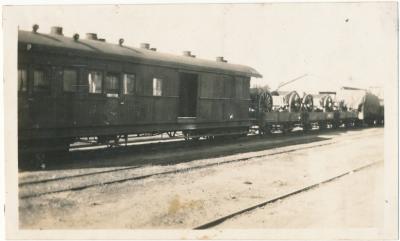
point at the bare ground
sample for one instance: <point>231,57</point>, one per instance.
<point>189,199</point>
<point>354,201</point>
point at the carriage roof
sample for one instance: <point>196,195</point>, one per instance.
<point>139,55</point>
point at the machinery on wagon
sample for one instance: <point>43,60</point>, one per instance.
<point>70,88</point>
<point>368,106</point>
<point>322,110</point>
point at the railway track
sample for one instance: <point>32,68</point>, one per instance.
<point>78,156</point>
<point>222,219</point>
<point>178,138</point>
<point>182,170</point>
<point>94,176</point>
<point>24,183</point>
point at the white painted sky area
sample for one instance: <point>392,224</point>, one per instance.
<point>335,44</point>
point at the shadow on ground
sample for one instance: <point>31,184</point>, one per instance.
<point>175,152</point>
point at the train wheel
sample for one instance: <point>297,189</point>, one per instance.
<point>109,140</point>
<point>286,129</point>
<point>266,130</point>
<point>186,135</point>
<point>37,154</point>
<point>171,133</point>
<point>307,127</point>
<point>351,124</point>
<point>34,161</point>
<point>362,124</point>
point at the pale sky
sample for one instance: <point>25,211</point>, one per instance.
<point>335,44</point>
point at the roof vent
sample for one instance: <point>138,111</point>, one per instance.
<point>91,36</point>
<point>145,45</point>
<point>56,30</point>
<point>221,59</point>
<point>76,37</point>
<point>120,41</point>
<point>153,49</point>
<point>35,28</point>
<point>188,54</point>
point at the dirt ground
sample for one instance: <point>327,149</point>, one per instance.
<point>189,199</point>
<point>354,201</point>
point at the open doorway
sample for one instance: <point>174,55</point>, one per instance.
<point>188,95</point>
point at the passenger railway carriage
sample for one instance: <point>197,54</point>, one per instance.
<point>87,87</point>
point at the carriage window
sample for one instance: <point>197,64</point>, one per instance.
<point>95,80</point>
<point>129,83</point>
<point>229,87</point>
<point>22,80</point>
<point>157,87</point>
<point>245,89</point>
<point>40,82</point>
<point>70,80</point>
<point>111,85</point>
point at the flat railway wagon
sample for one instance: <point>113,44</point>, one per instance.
<point>283,111</point>
<point>369,107</point>
<point>69,88</point>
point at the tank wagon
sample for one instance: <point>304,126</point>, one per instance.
<point>72,87</point>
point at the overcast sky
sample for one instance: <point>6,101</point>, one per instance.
<point>335,44</point>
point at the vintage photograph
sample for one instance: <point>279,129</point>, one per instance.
<point>230,118</point>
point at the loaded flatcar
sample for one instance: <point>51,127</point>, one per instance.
<point>368,106</point>
<point>289,110</point>
<point>70,87</point>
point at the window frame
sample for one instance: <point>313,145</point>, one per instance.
<point>229,88</point>
<point>112,94</point>
<point>47,76</point>
<point>134,91</point>
<point>154,86</point>
<point>89,71</point>
<point>77,90</point>
<point>26,68</point>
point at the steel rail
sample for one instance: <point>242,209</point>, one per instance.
<point>182,170</point>
<point>232,215</point>
<point>66,177</point>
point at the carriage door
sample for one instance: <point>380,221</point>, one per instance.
<point>188,95</point>
<point>112,91</point>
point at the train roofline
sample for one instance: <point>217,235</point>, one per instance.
<point>102,48</point>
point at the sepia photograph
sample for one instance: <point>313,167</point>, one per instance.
<point>201,120</point>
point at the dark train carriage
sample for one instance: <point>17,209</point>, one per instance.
<point>73,87</point>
